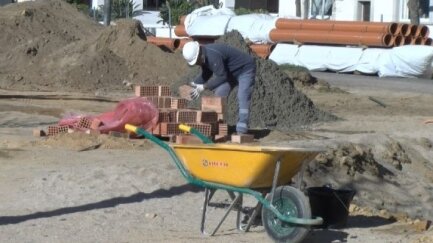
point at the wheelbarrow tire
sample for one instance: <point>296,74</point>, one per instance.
<point>289,201</point>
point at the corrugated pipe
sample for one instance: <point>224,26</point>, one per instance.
<point>180,31</point>
<point>332,37</point>
<point>262,50</point>
<point>349,26</point>
<point>164,43</point>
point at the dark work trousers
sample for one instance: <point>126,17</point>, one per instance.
<point>246,83</point>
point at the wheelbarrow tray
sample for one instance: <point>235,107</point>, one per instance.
<point>240,165</point>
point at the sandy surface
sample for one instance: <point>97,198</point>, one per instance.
<point>129,190</point>
<point>89,188</point>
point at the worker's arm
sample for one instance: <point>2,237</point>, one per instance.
<point>205,75</point>
<point>220,74</point>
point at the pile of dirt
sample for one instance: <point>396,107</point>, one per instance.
<point>351,159</point>
<point>83,142</point>
<point>396,155</point>
<point>275,102</point>
<point>49,45</point>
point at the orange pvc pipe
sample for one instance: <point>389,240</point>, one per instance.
<point>417,41</point>
<point>405,29</point>
<point>422,31</point>
<point>180,31</point>
<point>183,41</point>
<point>412,29</point>
<point>262,50</point>
<point>168,43</point>
<point>408,39</point>
<point>350,26</point>
<point>331,37</point>
<point>399,40</point>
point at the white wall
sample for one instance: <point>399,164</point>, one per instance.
<point>345,10</point>
<point>228,3</point>
<point>287,8</point>
<point>388,10</point>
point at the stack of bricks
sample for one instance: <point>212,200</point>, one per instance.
<point>84,124</point>
<point>173,111</point>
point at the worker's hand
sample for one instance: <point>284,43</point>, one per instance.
<point>198,88</point>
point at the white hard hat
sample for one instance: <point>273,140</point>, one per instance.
<point>191,51</point>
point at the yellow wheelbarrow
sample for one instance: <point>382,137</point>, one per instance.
<point>252,170</point>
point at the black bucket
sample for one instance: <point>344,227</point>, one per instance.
<point>330,204</point>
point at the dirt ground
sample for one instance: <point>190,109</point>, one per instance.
<point>129,190</point>
<point>97,188</point>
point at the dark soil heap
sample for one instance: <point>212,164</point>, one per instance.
<point>276,103</point>
<point>48,45</point>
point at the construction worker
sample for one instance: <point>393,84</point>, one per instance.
<point>229,67</point>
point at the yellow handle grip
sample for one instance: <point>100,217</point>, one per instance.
<point>185,128</point>
<point>131,128</point>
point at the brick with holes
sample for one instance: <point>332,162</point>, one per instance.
<point>217,104</point>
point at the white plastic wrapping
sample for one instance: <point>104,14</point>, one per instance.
<point>254,27</point>
<point>208,21</point>
<point>404,61</point>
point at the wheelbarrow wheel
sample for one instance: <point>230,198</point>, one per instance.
<point>290,202</point>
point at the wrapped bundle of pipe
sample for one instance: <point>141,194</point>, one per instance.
<point>262,50</point>
<point>164,43</point>
<point>332,37</point>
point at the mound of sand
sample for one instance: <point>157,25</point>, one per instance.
<point>49,45</point>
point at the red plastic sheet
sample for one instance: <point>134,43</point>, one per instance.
<point>137,111</point>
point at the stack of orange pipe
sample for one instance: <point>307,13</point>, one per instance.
<point>349,33</point>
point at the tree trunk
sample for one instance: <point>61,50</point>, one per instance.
<point>414,7</point>
<point>306,8</point>
<point>298,8</point>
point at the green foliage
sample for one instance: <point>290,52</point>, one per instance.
<point>180,8</point>
<point>123,9</point>
<point>80,5</point>
<point>242,11</point>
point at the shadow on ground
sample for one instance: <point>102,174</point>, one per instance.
<point>327,235</point>
<point>109,203</point>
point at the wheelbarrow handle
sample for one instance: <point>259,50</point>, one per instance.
<point>146,134</point>
<point>195,132</point>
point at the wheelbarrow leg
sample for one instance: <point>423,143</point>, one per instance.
<point>235,202</point>
<point>246,228</point>
<point>275,180</point>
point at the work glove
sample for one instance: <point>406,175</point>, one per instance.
<point>198,88</point>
